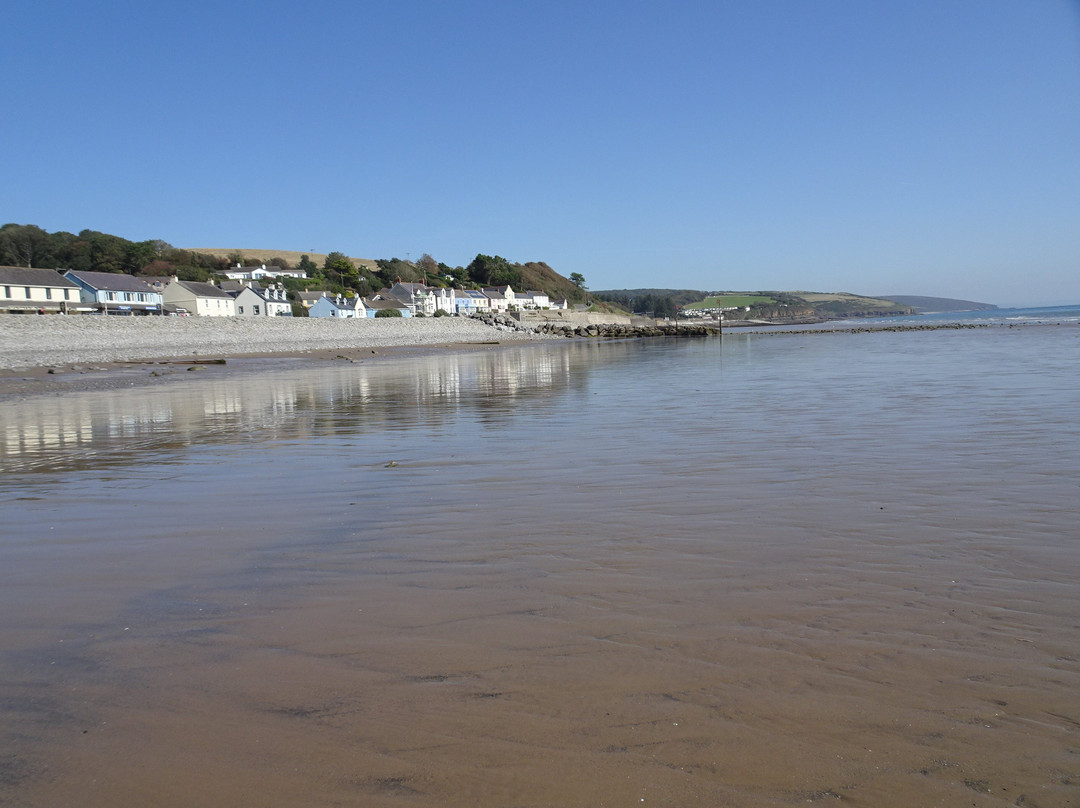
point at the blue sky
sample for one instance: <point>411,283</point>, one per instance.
<point>885,147</point>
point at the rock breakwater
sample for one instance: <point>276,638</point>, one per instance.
<point>556,328</point>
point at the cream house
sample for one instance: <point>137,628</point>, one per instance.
<point>24,289</point>
<point>201,299</point>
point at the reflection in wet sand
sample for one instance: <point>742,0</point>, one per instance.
<point>113,426</point>
<point>596,578</point>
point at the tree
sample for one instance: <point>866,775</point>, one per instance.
<point>390,272</point>
<point>578,280</point>
<point>107,253</point>
<point>487,270</point>
<point>338,265</point>
<point>428,265</point>
<point>139,254</point>
<point>388,313</point>
<point>23,245</point>
<point>307,265</point>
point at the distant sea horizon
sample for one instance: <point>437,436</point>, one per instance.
<point>1065,312</point>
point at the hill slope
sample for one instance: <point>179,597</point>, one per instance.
<point>292,256</point>
<point>769,305</point>
<point>924,304</point>
<point>534,275</point>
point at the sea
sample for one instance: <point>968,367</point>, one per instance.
<point>773,567</point>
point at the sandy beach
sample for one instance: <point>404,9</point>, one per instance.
<point>566,573</point>
<point>27,342</point>
<point>55,352</point>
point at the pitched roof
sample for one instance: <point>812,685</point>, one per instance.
<point>25,276</point>
<point>378,303</point>
<point>350,303</point>
<point>110,281</point>
<point>471,293</point>
<point>200,289</point>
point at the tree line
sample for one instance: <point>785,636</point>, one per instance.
<point>27,245</point>
<point>650,304</point>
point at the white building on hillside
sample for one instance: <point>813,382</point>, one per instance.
<point>242,273</point>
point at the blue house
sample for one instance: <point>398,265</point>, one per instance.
<point>112,293</point>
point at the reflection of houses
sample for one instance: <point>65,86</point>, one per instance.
<point>255,301</point>
<point>202,299</point>
<point>116,427</point>
<point>114,293</point>
<point>23,289</point>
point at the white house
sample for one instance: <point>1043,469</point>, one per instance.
<point>255,301</point>
<point>24,289</point>
<point>538,300</point>
<point>242,273</point>
<point>444,299</point>
<point>114,293</point>
<point>202,299</point>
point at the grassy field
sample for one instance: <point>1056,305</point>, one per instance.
<point>844,297</point>
<point>726,301</point>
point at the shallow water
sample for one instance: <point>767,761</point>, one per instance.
<point>758,571</point>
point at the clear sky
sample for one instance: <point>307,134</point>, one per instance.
<point>872,146</point>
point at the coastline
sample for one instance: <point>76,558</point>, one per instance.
<point>54,355</point>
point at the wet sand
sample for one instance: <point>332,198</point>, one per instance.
<point>561,672</point>
<point>741,622</point>
<point>68,378</point>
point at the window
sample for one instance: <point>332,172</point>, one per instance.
<point>66,294</point>
<point>27,288</point>
<point>254,309</point>
<point>48,293</point>
<point>239,309</point>
<point>7,291</point>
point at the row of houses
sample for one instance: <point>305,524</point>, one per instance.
<point>429,299</point>
<point>74,291</point>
